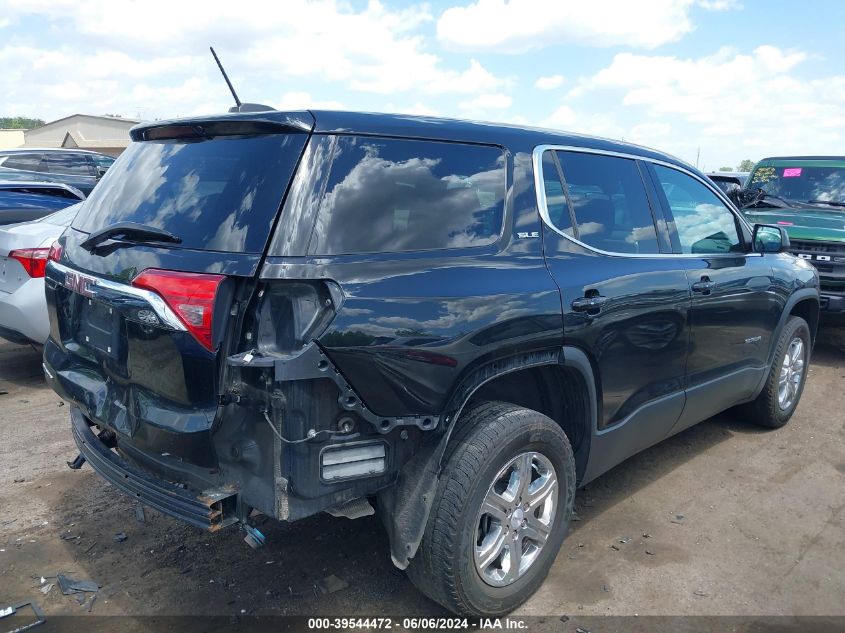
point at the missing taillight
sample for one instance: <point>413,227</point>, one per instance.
<point>33,260</point>
<point>293,313</point>
<point>190,295</point>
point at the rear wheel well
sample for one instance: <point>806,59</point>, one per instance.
<point>555,391</point>
<point>808,309</point>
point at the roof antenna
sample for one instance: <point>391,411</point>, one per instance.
<point>238,107</point>
<point>226,77</point>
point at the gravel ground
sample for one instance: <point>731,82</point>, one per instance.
<point>723,519</point>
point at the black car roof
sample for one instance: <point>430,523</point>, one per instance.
<point>421,127</point>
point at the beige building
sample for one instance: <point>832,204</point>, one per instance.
<point>106,134</point>
<point>11,138</point>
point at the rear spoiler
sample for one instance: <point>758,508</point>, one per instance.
<point>233,124</point>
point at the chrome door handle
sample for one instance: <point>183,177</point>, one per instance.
<point>704,286</point>
<point>588,304</point>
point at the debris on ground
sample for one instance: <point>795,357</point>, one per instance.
<point>68,536</point>
<point>46,588</point>
<point>646,535</point>
<point>564,618</point>
<point>614,547</point>
<point>649,552</point>
<point>679,519</point>
<point>580,630</point>
<point>71,586</point>
<point>700,593</point>
<point>331,584</point>
<point>80,598</point>
<point>19,480</point>
<point>91,603</point>
<point>139,514</point>
<point>624,540</point>
<point>120,537</point>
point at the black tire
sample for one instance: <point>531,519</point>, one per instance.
<point>766,410</point>
<point>491,435</point>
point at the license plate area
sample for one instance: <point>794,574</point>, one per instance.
<point>99,327</point>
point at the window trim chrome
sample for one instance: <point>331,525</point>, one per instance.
<point>540,190</point>
<point>164,312</point>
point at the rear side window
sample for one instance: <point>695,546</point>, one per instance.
<point>220,193</point>
<point>609,203</point>
<point>405,195</point>
<point>555,197</point>
<point>29,162</point>
<point>71,164</point>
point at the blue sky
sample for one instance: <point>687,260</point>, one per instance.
<point>732,79</point>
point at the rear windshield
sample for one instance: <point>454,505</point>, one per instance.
<point>218,194</point>
<point>403,195</point>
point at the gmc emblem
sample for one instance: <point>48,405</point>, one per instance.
<point>80,283</point>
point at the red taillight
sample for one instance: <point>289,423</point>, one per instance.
<point>190,295</point>
<point>55,253</point>
<point>33,260</point>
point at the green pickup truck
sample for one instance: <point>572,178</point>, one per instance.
<point>805,195</point>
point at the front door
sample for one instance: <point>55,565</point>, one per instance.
<point>734,306</point>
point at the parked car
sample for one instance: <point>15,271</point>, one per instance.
<point>806,196</point>
<point>295,312</point>
<point>23,258</point>
<point>728,181</point>
<point>27,201</point>
<point>76,167</point>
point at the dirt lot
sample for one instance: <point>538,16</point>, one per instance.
<point>762,529</point>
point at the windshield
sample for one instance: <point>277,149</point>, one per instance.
<point>221,193</point>
<point>801,181</point>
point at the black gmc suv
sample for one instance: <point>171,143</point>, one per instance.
<point>296,312</point>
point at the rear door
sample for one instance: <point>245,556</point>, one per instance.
<point>735,307</point>
<point>138,323</point>
<point>625,296</point>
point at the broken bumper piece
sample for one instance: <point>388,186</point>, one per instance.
<point>208,510</point>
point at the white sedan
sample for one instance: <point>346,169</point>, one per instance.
<point>23,258</point>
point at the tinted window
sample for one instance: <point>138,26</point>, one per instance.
<point>609,202</point>
<point>703,222</point>
<point>29,162</point>
<point>401,195</point>
<point>72,164</point>
<point>103,161</point>
<point>220,193</point>
<point>555,198</point>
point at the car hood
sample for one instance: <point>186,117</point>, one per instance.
<point>28,235</point>
<point>803,223</point>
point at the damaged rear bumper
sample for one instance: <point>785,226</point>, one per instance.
<point>208,510</point>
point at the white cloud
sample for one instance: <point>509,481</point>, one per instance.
<point>304,101</point>
<point>562,117</point>
<point>733,105</point>
<point>271,52</point>
<point>549,83</point>
<point>495,101</point>
<point>515,26</point>
<point>720,5</point>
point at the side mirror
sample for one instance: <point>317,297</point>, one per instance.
<point>770,239</point>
